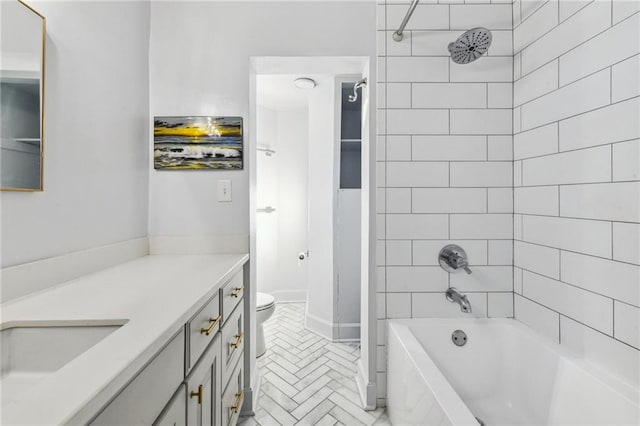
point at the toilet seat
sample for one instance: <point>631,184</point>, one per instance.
<point>264,301</point>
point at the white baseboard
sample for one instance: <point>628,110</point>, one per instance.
<point>198,244</point>
<point>366,389</point>
<point>27,278</point>
<point>346,332</point>
<point>318,326</point>
<point>349,332</point>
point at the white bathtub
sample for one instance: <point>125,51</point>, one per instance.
<point>505,375</point>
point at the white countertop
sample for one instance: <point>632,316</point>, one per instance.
<point>155,295</point>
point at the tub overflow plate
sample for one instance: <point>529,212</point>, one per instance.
<point>459,338</point>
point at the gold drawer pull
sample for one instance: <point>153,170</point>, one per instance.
<point>198,394</point>
<point>237,292</point>
<point>214,322</point>
<point>238,337</point>
<point>239,398</point>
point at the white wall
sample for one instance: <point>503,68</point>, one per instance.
<point>444,173</point>
<point>208,72</point>
<point>267,190</point>
<point>577,177</point>
<point>21,34</point>
<point>282,184</point>
<point>96,147</point>
<point>210,44</point>
<point>320,293</point>
<point>292,156</point>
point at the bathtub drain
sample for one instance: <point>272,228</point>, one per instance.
<point>459,338</point>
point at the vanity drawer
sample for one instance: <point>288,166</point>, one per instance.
<point>231,295</point>
<point>202,328</point>
<point>233,397</point>
<point>232,343</point>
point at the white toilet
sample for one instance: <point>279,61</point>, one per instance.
<point>265,307</point>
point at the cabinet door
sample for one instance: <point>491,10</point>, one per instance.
<point>144,398</point>
<point>175,413</point>
<point>203,388</point>
<point>232,343</point>
<point>233,396</point>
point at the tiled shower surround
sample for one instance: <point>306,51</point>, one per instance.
<point>577,187</point>
<point>549,133</point>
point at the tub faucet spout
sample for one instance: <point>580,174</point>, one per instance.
<point>454,296</point>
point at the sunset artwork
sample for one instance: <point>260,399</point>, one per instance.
<point>197,143</point>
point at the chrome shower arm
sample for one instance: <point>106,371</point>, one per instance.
<point>397,36</point>
<point>358,85</point>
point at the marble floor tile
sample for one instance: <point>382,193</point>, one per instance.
<point>306,379</point>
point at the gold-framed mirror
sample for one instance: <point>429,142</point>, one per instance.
<point>22,91</point>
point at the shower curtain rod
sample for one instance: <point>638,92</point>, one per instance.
<point>397,36</point>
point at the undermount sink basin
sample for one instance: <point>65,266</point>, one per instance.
<point>29,353</point>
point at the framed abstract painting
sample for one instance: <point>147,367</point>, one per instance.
<point>197,143</point>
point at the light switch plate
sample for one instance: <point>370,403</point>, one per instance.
<point>224,190</point>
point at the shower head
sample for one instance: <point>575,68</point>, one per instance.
<point>470,45</point>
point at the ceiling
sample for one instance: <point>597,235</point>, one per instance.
<point>275,76</point>
<point>276,91</point>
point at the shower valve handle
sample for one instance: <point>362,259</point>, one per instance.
<point>452,258</point>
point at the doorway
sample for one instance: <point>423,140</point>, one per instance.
<point>308,166</point>
<point>319,261</point>
<point>282,219</point>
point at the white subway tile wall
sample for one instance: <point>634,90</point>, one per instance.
<point>529,158</point>
<point>577,199</point>
<point>446,162</point>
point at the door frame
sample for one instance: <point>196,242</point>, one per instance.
<point>337,325</point>
<point>366,365</point>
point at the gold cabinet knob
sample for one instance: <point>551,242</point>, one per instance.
<point>237,292</point>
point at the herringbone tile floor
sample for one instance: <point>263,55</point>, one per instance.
<point>306,379</point>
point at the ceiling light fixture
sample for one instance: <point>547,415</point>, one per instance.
<point>304,83</point>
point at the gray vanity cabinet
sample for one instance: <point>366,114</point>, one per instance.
<point>203,388</point>
<point>199,372</point>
